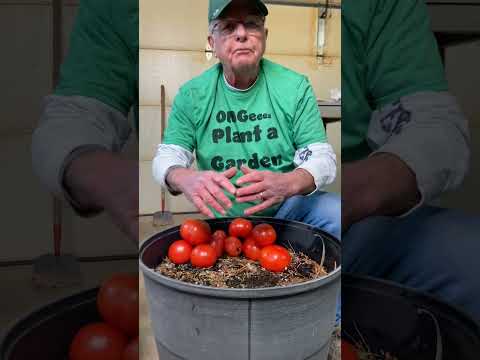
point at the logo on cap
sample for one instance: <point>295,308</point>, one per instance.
<point>216,12</point>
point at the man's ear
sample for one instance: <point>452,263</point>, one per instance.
<point>211,42</point>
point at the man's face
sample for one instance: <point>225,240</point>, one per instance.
<point>239,37</point>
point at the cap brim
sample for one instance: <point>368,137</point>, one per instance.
<point>262,8</point>
<point>219,11</point>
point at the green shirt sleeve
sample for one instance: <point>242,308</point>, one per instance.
<point>181,125</point>
<point>402,55</point>
<point>307,123</point>
<point>102,61</point>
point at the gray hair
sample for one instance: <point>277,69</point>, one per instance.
<point>212,25</point>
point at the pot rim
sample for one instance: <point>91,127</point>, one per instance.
<point>390,288</point>
<point>39,314</point>
<point>234,293</point>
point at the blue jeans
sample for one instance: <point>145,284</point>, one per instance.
<point>321,210</point>
<point>433,250</point>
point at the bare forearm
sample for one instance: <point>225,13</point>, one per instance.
<point>379,185</point>
<point>174,176</point>
<point>302,182</point>
<point>95,178</point>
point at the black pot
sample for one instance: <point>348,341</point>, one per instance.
<point>404,322</point>
<point>48,332</point>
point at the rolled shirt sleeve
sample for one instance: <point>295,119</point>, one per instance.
<point>69,126</point>
<point>430,134</point>
<point>414,117</point>
<point>97,89</point>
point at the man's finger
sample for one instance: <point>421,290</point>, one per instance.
<point>208,198</point>
<point>251,189</point>
<point>230,172</point>
<point>248,198</point>
<point>218,194</point>
<point>197,201</point>
<point>245,169</point>
<point>225,183</point>
<point>254,176</point>
<point>264,205</point>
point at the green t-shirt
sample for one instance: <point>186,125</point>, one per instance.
<point>388,51</point>
<point>102,60</point>
<point>261,127</point>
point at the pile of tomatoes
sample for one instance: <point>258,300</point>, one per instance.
<point>116,338</point>
<point>202,248</point>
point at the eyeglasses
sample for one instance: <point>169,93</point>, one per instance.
<point>228,27</point>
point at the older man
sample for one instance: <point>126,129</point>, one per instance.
<point>247,113</point>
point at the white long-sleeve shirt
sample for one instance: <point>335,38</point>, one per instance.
<point>318,159</point>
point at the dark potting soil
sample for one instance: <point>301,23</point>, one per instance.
<point>242,273</point>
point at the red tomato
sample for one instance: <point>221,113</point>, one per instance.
<point>203,256</point>
<point>132,350</point>
<point>117,302</point>
<point>179,252</point>
<point>195,231</point>
<point>219,246</point>
<point>348,351</point>
<point>275,258</point>
<point>233,246</point>
<point>218,242</point>
<point>240,228</point>
<point>219,234</point>
<point>250,249</point>
<point>98,341</point>
<point>264,234</point>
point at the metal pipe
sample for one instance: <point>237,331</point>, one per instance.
<point>56,63</point>
<point>85,259</point>
<point>302,4</point>
<point>57,50</point>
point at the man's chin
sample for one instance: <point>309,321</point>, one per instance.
<point>244,66</point>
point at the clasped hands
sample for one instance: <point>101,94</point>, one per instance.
<point>205,188</point>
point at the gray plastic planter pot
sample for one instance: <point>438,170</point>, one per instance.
<point>195,322</point>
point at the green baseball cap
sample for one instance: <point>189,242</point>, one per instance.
<point>216,7</point>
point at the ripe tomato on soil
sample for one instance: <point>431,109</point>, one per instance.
<point>203,256</point>
<point>264,234</point>
<point>240,227</point>
<point>233,246</point>
<point>117,302</point>
<point>250,249</point>
<point>218,242</point>
<point>275,258</point>
<point>98,341</point>
<point>179,252</point>
<point>195,231</point>
<point>219,234</point>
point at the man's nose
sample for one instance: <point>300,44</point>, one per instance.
<point>240,33</point>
